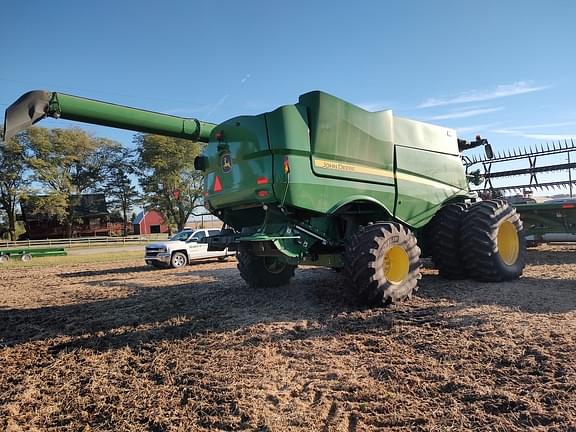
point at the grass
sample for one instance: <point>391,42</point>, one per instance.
<point>75,259</point>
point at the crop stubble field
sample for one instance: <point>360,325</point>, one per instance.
<point>117,346</point>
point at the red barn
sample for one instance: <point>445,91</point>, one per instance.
<point>150,222</point>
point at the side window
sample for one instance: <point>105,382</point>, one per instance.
<point>199,235</point>
<point>213,232</point>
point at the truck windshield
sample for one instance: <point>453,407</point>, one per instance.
<point>181,236</point>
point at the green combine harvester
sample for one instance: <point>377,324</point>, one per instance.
<point>324,182</point>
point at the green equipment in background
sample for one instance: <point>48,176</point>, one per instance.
<point>26,254</point>
<point>552,221</point>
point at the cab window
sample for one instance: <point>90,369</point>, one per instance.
<point>199,235</point>
<point>181,236</point>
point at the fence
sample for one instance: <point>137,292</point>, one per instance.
<point>83,242</point>
<point>201,221</point>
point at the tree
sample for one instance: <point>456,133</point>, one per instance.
<point>13,179</point>
<point>120,192</point>
<point>68,162</point>
<point>168,177</point>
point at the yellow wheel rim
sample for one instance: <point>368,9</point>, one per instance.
<point>396,265</point>
<point>508,242</point>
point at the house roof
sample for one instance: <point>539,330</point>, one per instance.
<point>86,205</point>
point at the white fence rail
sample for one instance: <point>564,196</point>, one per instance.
<point>82,242</point>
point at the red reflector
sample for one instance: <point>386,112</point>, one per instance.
<point>567,205</point>
<point>262,194</point>
<point>262,180</point>
<point>217,184</point>
<point>286,166</point>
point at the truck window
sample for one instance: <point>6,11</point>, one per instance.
<point>181,236</point>
<point>199,235</point>
<point>213,232</point>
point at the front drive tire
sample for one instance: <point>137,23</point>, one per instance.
<point>260,272</point>
<point>382,261</point>
<point>178,259</point>
<point>492,242</point>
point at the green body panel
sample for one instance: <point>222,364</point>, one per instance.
<point>344,133</point>
<point>245,143</point>
<point>423,186</point>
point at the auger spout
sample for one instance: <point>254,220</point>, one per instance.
<point>39,104</point>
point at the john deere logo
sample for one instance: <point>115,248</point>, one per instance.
<point>226,162</point>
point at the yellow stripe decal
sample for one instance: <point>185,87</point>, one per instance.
<point>352,168</point>
<point>424,181</point>
<point>363,169</point>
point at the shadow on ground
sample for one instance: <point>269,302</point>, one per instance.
<point>217,300</point>
<point>220,302</point>
<point>528,294</point>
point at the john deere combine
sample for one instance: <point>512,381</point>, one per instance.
<point>324,182</point>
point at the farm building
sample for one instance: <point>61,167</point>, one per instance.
<point>150,222</point>
<point>90,214</point>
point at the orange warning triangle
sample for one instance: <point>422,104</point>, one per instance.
<point>217,184</point>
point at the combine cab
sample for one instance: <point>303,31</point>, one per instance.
<point>324,182</point>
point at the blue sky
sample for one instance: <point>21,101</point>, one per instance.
<point>499,68</point>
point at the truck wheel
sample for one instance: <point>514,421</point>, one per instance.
<point>259,272</point>
<point>179,259</point>
<point>444,241</point>
<point>4,259</point>
<point>382,262</point>
<point>492,242</point>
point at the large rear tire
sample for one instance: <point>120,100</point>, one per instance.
<point>262,272</point>
<point>444,241</point>
<point>382,261</point>
<point>492,242</point>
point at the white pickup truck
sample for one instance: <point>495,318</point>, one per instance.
<point>182,248</point>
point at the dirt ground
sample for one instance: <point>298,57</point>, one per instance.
<point>117,346</point>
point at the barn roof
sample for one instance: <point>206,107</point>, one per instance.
<point>140,216</point>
